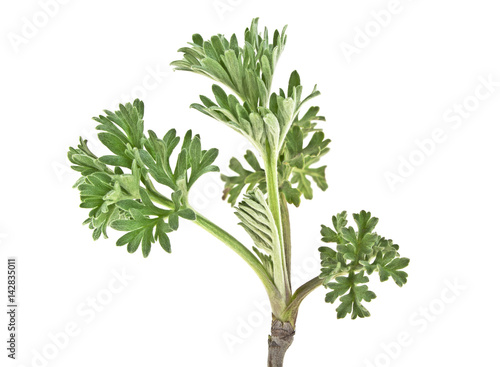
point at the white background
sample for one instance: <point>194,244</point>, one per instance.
<point>196,306</point>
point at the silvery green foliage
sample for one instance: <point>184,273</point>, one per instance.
<point>257,220</point>
<point>270,121</point>
<point>118,189</point>
<point>357,252</point>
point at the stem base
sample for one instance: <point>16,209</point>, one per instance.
<point>279,341</point>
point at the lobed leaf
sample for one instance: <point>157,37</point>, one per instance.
<point>357,252</point>
<point>121,199</point>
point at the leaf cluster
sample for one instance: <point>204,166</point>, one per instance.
<point>247,70</point>
<point>357,252</point>
<point>118,187</point>
<point>269,120</point>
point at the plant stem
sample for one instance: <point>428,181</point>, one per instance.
<point>300,294</point>
<point>246,255</point>
<point>287,236</point>
<point>279,341</point>
<point>155,194</point>
<point>279,258</point>
<point>275,298</point>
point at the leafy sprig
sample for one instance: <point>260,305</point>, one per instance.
<point>357,252</point>
<point>118,187</point>
<point>247,70</point>
<point>269,120</point>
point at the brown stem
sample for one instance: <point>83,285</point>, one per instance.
<point>280,339</point>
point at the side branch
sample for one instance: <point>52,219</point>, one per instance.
<point>245,254</point>
<point>300,294</point>
<point>271,289</point>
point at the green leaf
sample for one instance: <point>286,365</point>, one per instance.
<point>267,74</point>
<point>173,221</point>
<point>329,235</point>
<point>164,242</point>
<point>352,301</point>
<point>125,124</point>
<point>387,262</point>
<point>234,68</point>
<point>392,269</point>
<point>128,204</point>
<point>146,222</point>
<point>146,244</point>
<point>122,200</point>
<point>257,220</point>
<point>126,238</point>
<point>266,261</point>
<point>187,214</point>
<point>220,97</point>
<point>246,69</point>
<point>126,225</point>
<point>292,195</point>
<point>113,143</point>
<point>339,224</point>
<point>340,287</point>
<point>216,71</point>
<point>133,245</point>
<point>191,157</point>
<point>358,252</point>
<point>272,129</point>
<point>234,185</point>
<point>197,39</point>
<point>303,185</point>
<point>114,160</point>
<point>332,264</point>
<point>100,193</point>
<point>84,161</point>
<point>293,82</point>
<point>298,160</point>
